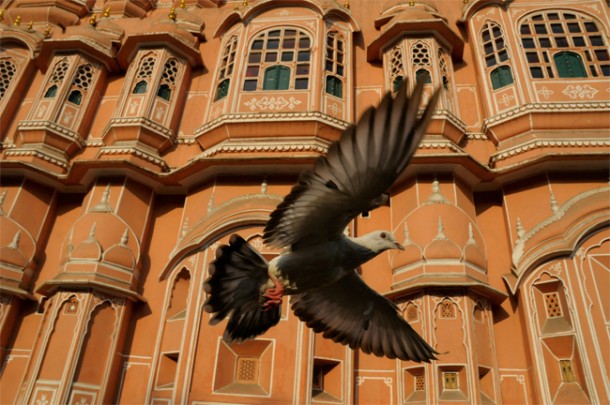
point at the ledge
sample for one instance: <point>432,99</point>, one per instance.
<point>445,281</point>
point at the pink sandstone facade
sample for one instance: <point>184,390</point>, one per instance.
<point>137,135</point>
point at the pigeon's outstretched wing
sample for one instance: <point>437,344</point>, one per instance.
<point>354,174</point>
<point>350,313</point>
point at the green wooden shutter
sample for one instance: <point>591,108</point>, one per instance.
<point>276,78</point>
<point>270,80</point>
<point>222,90</point>
<point>569,64</point>
<point>501,77</point>
<point>334,86</point>
<point>283,78</point>
<point>397,83</point>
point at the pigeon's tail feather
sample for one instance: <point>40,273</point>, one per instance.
<point>236,277</point>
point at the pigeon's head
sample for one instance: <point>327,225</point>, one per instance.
<point>380,241</point>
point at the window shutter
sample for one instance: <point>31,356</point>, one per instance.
<point>569,64</point>
<point>283,78</point>
<point>270,78</point>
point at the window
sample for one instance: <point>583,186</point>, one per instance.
<point>553,306</point>
<point>247,370</point>
<point>567,371</point>
<point>324,380</point>
<point>57,78</point>
<point>423,74</point>
<point>447,309</point>
<point>412,313</point>
<point>450,380</point>
<point>496,54</point>
<point>335,64</point>
<point>279,59</point>
<point>420,382</point>
<point>51,92</point>
<point>227,65</point>
<point>144,73</point>
<point>397,70</point>
<point>75,97</point>
<point>140,87</point>
<point>155,83</point>
<point>8,71</point>
<point>420,57</point>
<point>164,92</point>
<point>546,38</point>
<point>334,86</point>
<point>168,79</point>
<point>222,90</point>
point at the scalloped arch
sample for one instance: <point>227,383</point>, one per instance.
<point>472,7</point>
<point>23,40</point>
<point>325,9</point>
<point>594,18</point>
<point>238,213</point>
<point>560,234</point>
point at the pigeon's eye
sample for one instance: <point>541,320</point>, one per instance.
<point>383,235</point>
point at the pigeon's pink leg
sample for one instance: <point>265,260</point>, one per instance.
<point>273,294</point>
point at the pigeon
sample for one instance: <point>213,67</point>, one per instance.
<point>319,265</point>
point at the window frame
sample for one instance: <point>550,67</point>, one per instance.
<point>288,46</point>
<point>550,32</point>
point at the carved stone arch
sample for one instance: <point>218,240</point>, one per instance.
<point>560,234</point>
<point>325,9</point>
<point>472,7</point>
<point>238,213</point>
<point>22,39</point>
<point>600,24</point>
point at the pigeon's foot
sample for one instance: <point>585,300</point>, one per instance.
<point>273,294</point>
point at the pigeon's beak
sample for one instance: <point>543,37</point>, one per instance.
<point>399,246</point>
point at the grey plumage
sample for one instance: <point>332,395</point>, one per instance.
<point>319,268</point>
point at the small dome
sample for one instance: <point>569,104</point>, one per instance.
<point>441,247</point>
<point>13,256</point>
<point>442,231</point>
<point>88,250</point>
<point>120,255</point>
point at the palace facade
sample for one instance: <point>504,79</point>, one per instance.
<point>138,135</point>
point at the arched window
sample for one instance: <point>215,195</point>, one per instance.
<point>140,87</point>
<point>496,54</point>
<point>75,97</point>
<point>222,90</point>
<point>423,74</point>
<point>287,49</point>
<point>8,71</point>
<point>569,64</point>
<point>226,68</point>
<point>397,69</point>
<point>57,78</point>
<point>546,36</point>
<point>51,92</point>
<point>398,81</point>
<point>335,64</point>
<point>420,57</point>
<point>164,92</point>
<point>168,79</point>
<point>143,76</point>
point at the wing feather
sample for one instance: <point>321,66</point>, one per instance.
<point>333,311</point>
<point>355,172</point>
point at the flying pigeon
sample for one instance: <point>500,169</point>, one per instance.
<point>318,267</point>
